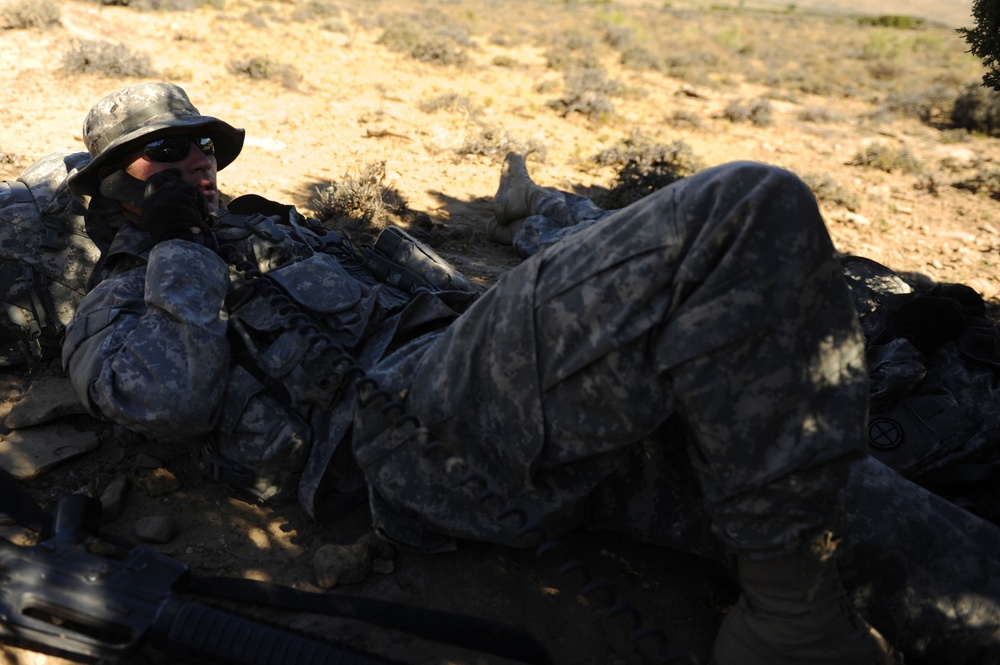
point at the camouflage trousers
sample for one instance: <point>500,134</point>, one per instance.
<point>717,300</point>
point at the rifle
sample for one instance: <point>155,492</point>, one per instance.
<point>92,597</point>
<point>89,598</point>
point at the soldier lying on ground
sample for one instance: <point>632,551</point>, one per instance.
<point>709,318</point>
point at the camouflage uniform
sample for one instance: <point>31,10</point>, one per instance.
<point>712,312</point>
<point>177,346</point>
<point>718,299</point>
<point>920,569</point>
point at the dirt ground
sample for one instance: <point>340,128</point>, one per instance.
<point>356,103</point>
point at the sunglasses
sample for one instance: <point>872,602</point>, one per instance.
<point>176,148</point>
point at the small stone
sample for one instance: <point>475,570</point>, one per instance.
<point>157,528</point>
<point>378,548</point>
<point>113,499</point>
<point>341,564</point>
<point>161,482</point>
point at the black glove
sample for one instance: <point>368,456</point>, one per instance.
<point>173,208</point>
<point>928,321</point>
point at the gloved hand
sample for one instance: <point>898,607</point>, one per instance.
<point>173,208</point>
<point>928,321</point>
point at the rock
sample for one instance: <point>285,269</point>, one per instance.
<point>28,452</point>
<point>350,564</point>
<point>383,566</point>
<point>157,528</point>
<point>161,482</point>
<point>341,564</point>
<point>113,499</point>
<point>377,548</point>
<point>47,398</point>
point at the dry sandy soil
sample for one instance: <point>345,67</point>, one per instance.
<point>356,102</point>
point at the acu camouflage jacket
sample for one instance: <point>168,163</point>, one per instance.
<point>176,344</point>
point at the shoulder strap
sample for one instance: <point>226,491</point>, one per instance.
<point>20,191</point>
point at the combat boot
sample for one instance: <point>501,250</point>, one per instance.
<point>794,611</point>
<point>502,235</point>
<point>516,193</point>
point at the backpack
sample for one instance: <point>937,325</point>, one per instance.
<point>46,258</point>
<point>933,358</point>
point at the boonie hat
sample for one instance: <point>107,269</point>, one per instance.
<point>133,116</point>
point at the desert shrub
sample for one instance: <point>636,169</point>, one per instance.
<point>640,57</point>
<point>359,204</point>
<point>953,135</point>
<point>172,5</point>
<point>254,19</point>
<point>91,56</point>
<point>547,86</point>
<point>677,156</point>
<point>646,166</point>
<point>884,69</point>
<point>267,69</point>
<point>618,37</point>
<point>987,183</point>
<point>731,38</point>
<point>827,190</point>
<point>495,142</point>
<point>886,158</point>
<point>30,14</point>
<point>926,104</point>
<point>890,21</point>
<point>449,101</point>
<point>758,111</point>
<point>977,109</point>
<point>504,61</point>
<point>427,37</point>
<point>571,50</point>
<point>586,92</point>
<point>685,119</point>
<point>312,10</point>
<point>820,114</point>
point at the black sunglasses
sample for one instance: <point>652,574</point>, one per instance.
<point>176,148</point>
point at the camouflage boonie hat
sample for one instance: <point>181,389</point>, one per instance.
<point>131,117</point>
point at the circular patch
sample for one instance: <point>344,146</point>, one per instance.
<point>885,433</point>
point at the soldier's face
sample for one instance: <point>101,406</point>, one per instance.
<point>198,166</point>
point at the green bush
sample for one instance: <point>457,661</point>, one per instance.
<point>984,39</point>
<point>30,14</point>
<point>91,56</point>
<point>889,21</point>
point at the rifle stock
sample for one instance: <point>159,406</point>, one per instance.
<point>90,599</point>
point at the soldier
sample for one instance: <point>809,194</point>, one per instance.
<point>716,302</point>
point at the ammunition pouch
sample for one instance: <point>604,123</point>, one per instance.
<point>399,259</point>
